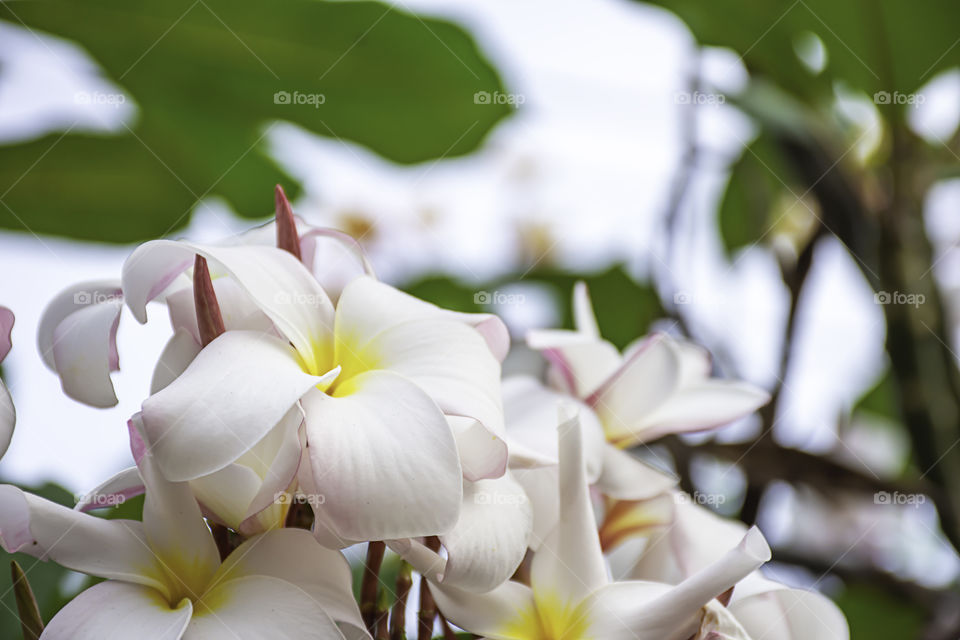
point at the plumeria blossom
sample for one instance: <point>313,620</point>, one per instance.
<point>762,608</point>
<point>8,414</point>
<point>659,385</point>
<point>375,378</point>
<point>165,579</point>
<point>570,595</point>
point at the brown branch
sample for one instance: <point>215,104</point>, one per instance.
<point>398,618</point>
<point>369,585</point>
<point>428,608</point>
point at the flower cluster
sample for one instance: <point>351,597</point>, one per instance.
<point>301,406</point>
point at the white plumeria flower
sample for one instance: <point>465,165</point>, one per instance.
<point>571,597</point>
<point>164,577</point>
<point>77,332</point>
<point>375,378</point>
<point>8,414</point>
<point>761,607</point>
<point>251,495</point>
<point>659,385</point>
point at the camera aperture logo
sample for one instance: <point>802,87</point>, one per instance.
<point>485,97</point>
<point>299,98</point>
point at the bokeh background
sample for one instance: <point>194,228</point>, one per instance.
<point>776,180</point>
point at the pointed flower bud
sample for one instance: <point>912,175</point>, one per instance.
<point>30,620</point>
<point>209,319</point>
<point>287,237</point>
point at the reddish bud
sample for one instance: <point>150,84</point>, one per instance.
<point>209,319</point>
<point>287,237</point>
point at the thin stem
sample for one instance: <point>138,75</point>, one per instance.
<point>398,618</point>
<point>369,607</point>
<point>428,608</point>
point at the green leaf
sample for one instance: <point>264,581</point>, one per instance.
<point>881,399</point>
<point>873,614</point>
<point>210,77</point>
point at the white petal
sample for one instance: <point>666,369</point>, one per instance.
<point>74,298</point>
<point>583,316</point>
<point>276,281</point>
<point>626,477</point>
<point>384,459</point>
<point>295,556</point>
<point>119,611</point>
<point>635,609</point>
<point>530,410</point>
<point>114,549</point>
<point>490,538</point>
<point>580,361</point>
<point>180,351</point>
<point>125,484</point>
<point>84,351</point>
<point>8,418</point>
<point>709,404</point>
<point>569,564</point>
<point>260,608</point>
<point>541,486</point>
<point>638,387</point>
<point>481,455</point>
<point>176,530</point>
<point>447,360</point>
<point>6,327</point>
<point>791,614</point>
<point>231,395</point>
<point>493,615</point>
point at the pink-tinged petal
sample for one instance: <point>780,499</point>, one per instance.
<point>176,530</point>
<point>83,347</point>
<point>490,539</point>
<point>626,477</point>
<point>452,364</point>
<point>231,395</point>
<point>625,610</point>
<point>709,404</point>
<point>649,376</point>
<point>275,280</point>
<point>295,556</point>
<point>114,549</point>
<point>790,614</point>
<point>260,608</point>
<point>569,564</point>
<point>180,351</point>
<point>6,327</point>
<point>384,459</point>
<point>581,362</point>
<point>8,419</point>
<point>530,410</point>
<point>119,611</point>
<point>114,491</point>
<point>493,615</point>
<point>74,298</point>
<point>367,307</point>
<point>237,308</point>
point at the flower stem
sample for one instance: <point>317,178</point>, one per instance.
<point>398,618</point>
<point>428,608</point>
<point>369,608</point>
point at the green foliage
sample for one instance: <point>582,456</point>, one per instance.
<point>881,399</point>
<point>876,615</point>
<point>625,309</point>
<point>204,77</point>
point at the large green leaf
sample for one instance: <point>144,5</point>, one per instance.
<point>886,45</point>
<point>209,77</point>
